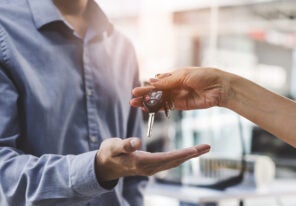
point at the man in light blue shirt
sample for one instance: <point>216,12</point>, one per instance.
<point>65,83</point>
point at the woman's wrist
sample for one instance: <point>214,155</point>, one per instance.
<point>229,89</point>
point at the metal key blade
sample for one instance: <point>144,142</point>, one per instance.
<point>150,124</point>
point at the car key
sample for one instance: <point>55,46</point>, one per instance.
<point>153,102</point>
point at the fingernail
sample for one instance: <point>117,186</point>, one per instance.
<point>133,103</point>
<point>133,142</point>
<point>153,80</point>
<point>203,149</point>
<point>166,75</point>
<point>163,75</point>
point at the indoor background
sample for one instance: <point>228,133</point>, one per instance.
<point>253,38</point>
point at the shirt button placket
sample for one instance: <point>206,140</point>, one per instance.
<point>89,92</point>
<point>93,138</point>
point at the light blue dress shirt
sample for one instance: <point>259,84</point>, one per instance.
<point>60,97</point>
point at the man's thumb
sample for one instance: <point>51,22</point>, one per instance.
<point>131,144</point>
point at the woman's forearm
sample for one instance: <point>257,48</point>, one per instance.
<point>272,112</point>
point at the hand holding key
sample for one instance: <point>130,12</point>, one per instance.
<point>200,88</point>
<point>191,88</point>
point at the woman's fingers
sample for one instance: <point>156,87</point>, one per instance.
<point>141,91</point>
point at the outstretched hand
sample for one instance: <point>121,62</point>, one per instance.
<point>190,88</point>
<point>121,157</point>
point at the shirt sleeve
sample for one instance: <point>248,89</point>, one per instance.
<point>49,179</point>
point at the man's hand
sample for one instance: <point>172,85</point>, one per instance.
<point>121,157</point>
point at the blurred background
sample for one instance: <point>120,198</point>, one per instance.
<point>252,38</point>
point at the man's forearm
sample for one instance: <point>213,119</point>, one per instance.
<point>50,179</point>
<point>270,111</point>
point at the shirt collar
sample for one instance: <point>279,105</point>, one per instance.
<point>44,12</point>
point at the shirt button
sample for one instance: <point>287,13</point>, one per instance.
<point>93,138</point>
<point>89,92</point>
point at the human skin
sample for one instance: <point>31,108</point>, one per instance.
<point>122,157</point>
<point>201,88</point>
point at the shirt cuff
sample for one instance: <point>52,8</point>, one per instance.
<point>83,176</point>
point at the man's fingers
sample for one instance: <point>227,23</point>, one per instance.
<point>201,149</point>
<point>187,153</point>
<point>155,162</point>
<point>181,156</point>
<point>124,146</point>
<point>124,155</point>
<point>162,158</point>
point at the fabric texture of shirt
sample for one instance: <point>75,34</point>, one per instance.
<point>60,97</point>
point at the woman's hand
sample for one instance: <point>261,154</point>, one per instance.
<point>190,88</point>
<point>199,88</point>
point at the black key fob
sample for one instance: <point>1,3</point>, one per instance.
<point>154,101</point>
